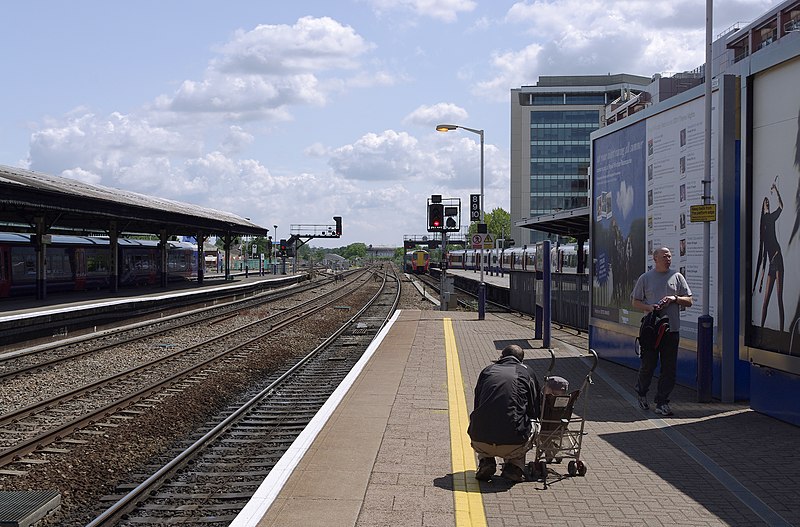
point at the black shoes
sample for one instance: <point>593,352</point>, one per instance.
<point>486,469</point>
<point>512,473</point>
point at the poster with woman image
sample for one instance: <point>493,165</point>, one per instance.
<point>775,206</point>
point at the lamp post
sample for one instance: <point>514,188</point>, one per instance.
<point>274,251</point>
<point>482,285</point>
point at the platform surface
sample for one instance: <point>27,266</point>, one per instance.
<point>395,452</point>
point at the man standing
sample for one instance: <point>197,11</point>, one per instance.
<point>506,400</point>
<point>666,290</point>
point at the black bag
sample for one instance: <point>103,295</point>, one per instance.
<point>652,331</point>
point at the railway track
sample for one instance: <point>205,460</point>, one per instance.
<point>27,430</point>
<point>35,358</point>
<point>210,480</point>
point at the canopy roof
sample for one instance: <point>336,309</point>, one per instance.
<point>572,222</point>
<point>70,206</point>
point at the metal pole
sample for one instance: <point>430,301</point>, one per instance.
<point>705,323</point>
<point>547,295</point>
<point>482,285</point>
<point>443,296</point>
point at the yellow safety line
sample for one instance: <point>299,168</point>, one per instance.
<point>467,492</point>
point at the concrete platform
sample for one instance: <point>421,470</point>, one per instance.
<point>66,314</point>
<point>393,449</point>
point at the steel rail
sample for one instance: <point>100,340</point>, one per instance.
<point>32,444</point>
<point>137,494</point>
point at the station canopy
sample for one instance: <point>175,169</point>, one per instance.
<point>69,206</point>
<point>572,222</point>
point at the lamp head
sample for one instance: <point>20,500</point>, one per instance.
<point>445,127</point>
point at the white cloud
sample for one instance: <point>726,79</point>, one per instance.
<point>598,37</point>
<point>261,73</point>
<point>435,163</point>
<point>430,116</point>
<point>310,45</point>
<point>513,69</point>
<point>388,155</point>
<point>236,140</point>
<point>444,10</point>
<point>102,145</point>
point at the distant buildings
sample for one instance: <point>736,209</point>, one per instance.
<point>550,127</point>
<point>551,120</point>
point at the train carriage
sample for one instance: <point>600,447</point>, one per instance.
<point>563,259</point>
<point>76,263</point>
<point>417,261</point>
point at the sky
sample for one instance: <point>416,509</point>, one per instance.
<point>290,113</point>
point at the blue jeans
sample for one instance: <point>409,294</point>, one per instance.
<point>668,354</point>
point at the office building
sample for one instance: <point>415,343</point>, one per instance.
<point>550,127</point>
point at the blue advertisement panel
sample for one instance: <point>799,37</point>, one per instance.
<point>618,231</point>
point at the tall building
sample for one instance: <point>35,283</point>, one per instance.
<point>550,127</point>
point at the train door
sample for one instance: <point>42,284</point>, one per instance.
<point>5,272</point>
<point>78,262</point>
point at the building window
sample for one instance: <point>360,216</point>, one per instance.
<point>547,100</point>
<point>589,117</point>
<point>586,98</point>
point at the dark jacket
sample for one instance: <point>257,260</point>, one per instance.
<point>506,399</point>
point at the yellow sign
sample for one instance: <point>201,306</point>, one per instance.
<point>488,241</point>
<point>700,213</point>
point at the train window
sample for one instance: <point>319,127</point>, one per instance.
<point>97,261</point>
<point>23,263</point>
<point>58,264</point>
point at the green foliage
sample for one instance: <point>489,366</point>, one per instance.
<point>355,250</point>
<point>498,223</point>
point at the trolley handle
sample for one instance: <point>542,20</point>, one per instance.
<point>552,362</point>
<point>595,361</point>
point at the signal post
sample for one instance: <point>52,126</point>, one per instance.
<point>444,215</point>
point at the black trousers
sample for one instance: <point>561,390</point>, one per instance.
<point>668,355</point>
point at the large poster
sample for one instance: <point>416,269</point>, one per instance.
<point>645,178</point>
<point>618,198</point>
<point>775,211</point>
<point>675,165</point>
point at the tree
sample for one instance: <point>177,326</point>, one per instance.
<point>355,250</point>
<point>498,223</point>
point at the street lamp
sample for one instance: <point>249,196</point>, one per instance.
<point>482,285</point>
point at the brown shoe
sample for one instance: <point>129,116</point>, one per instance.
<point>512,473</point>
<point>486,469</point>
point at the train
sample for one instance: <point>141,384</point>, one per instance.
<point>563,259</point>
<point>417,261</point>
<point>78,263</point>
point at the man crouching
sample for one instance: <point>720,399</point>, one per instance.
<point>506,400</point>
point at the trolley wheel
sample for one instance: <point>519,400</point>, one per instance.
<point>581,468</point>
<point>572,468</point>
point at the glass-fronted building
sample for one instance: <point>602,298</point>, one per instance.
<point>550,127</point>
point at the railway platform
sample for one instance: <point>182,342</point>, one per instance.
<point>390,447</point>
<point>493,279</point>
<point>67,314</point>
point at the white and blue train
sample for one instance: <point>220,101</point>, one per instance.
<point>563,259</point>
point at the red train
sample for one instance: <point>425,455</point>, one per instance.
<point>417,261</point>
<point>76,263</point>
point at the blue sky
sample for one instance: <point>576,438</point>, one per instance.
<point>295,112</point>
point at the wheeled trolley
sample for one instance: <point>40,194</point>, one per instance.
<point>561,433</point>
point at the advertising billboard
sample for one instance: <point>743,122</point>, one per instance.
<point>774,203</point>
<point>645,178</point>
